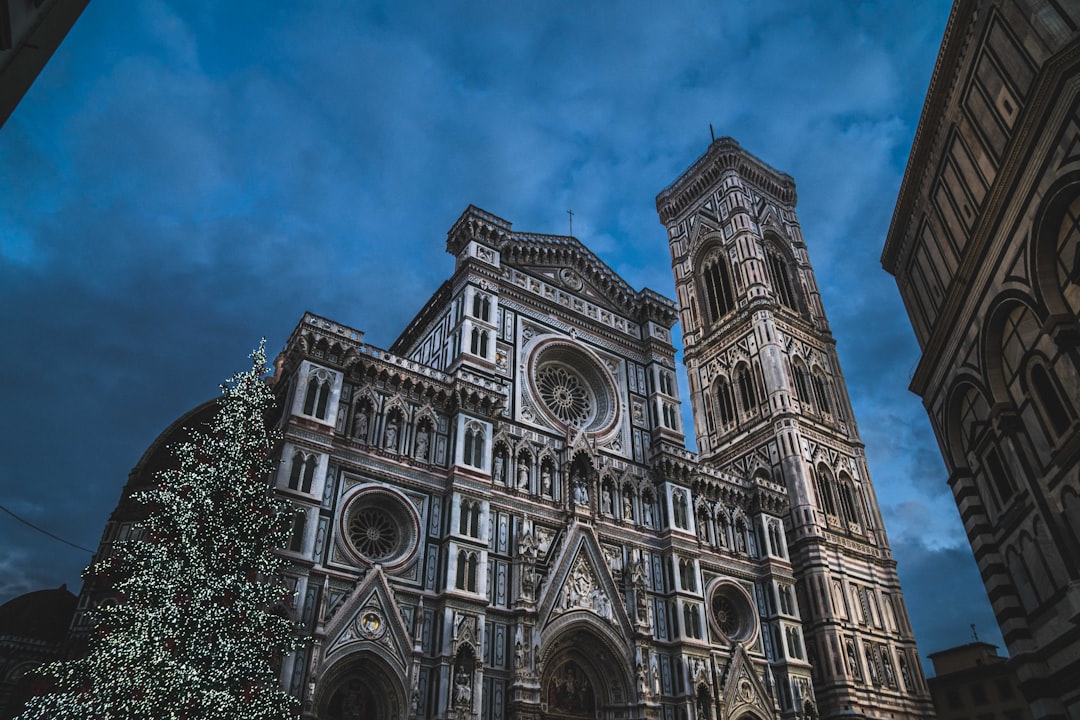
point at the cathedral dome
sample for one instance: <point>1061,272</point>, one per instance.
<point>39,615</point>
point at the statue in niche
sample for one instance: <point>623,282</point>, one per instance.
<point>581,492</point>
<point>627,506</point>
<point>605,501</point>
<point>890,677</point>
<point>523,474</point>
<point>702,530</point>
<point>462,688</point>
<point>637,576</point>
<point>391,435</point>
<point>853,661</point>
<point>871,664</point>
<point>545,480</point>
<point>648,513</point>
<point>497,470</point>
<point>360,424</point>
<point>422,444</point>
<point>643,680</point>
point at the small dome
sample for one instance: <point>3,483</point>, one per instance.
<point>40,615</point>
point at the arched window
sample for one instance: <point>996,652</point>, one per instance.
<point>318,395</point>
<point>302,473</point>
<point>821,392</point>
<point>825,491</point>
<point>466,571</point>
<point>1067,256</point>
<point>679,501</point>
<point>470,579</point>
<point>802,383</point>
<point>720,300</point>
<point>1048,397</point>
<point>479,342</point>
<point>847,502</point>
<point>778,275</point>
<point>725,402</point>
<point>747,392</point>
<point>474,445</point>
<point>687,575</point>
<point>481,306</point>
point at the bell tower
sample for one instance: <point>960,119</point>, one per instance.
<point>767,393</point>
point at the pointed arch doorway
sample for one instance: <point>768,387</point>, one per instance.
<point>363,689</point>
<point>584,678</point>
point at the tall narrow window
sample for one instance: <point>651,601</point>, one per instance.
<point>725,401</point>
<point>1048,397</point>
<point>778,274</point>
<point>1002,481</point>
<point>825,492</point>
<point>474,446</point>
<point>296,533</point>
<point>747,393</point>
<point>481,307</point>
<point>802,383</point>
<point>719,296</point>
<point>821,393</point>
<point>318,394</point>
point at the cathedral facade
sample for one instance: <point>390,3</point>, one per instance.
<point>498,517</point>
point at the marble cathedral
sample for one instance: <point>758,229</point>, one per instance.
<point>500,519</point>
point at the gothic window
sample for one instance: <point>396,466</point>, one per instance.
<point>670,416</point>
<point>667,383</point>
<point>725,401</point>
<point>691,621</point>
<point>710,424</point>
<point>469,519</point>
<point>847,502</point>
<point>802,383</point>
<point>318,394</point>
<point>1048,397</point>
<point>794,643</point>
<point>474,445</point>
<point>687,575</point>
<point>479,342</point>
<point>778,275</point>
<point>825,491</point>
<point>481,307</point>
<point>776,545</point>
<point>821,392</point>
<point>787,602</point>
<point>720,300</point>
<point>303,471</point>
<point>1021,580</point>
<point>747,394</point>
<point>679,501</point>
<point>467,564</point>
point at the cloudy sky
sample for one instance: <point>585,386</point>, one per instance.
<point>186,177</point>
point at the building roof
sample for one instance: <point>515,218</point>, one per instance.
<point>38,615</point>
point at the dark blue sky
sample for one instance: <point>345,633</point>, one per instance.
<point>186,177</point>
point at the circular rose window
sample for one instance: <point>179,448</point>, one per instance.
<point>572,387</point>
<point>380,527</point>
<point>731,612</point>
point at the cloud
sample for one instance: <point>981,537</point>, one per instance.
<point>184,178</point>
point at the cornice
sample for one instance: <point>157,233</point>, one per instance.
<point>942,82</point>
<point>722,155</point>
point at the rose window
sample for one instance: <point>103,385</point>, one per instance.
<point>564,393</point>
<point>571,387</point>
<point>379,526</point>
<point>732,613</point>
<point>373,533</point>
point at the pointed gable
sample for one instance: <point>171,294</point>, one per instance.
<point>369,618</point>
<point>581,582</point>
<point>741,688</point>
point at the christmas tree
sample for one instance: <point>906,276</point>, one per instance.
<point>193,634</point>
